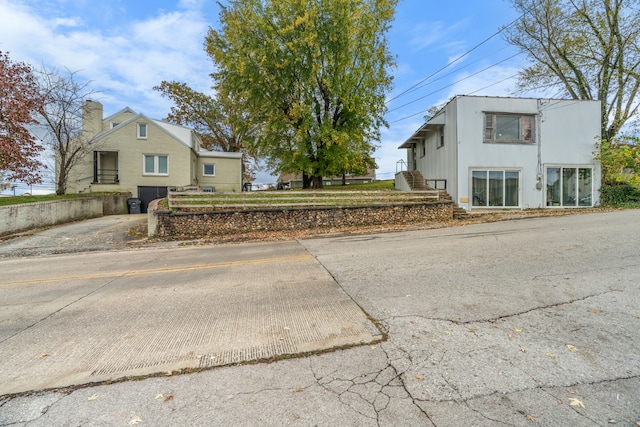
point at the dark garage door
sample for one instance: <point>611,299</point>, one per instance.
<point>148,194</point>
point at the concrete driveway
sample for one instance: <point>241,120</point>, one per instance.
<point>516,323</point>
<point>97,234</point>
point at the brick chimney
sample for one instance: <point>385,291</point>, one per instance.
<point>91,118</point>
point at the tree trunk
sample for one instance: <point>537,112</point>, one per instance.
<point>306,181</point>
<point>317,182</point>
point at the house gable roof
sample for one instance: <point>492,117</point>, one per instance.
<point>179,133</point>
<point>124,110</point>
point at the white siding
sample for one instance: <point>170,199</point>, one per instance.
<point>565,134</point>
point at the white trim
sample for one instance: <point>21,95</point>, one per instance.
<point>156,164</point>
<point>146,130</point>
<point>560,204</point>
<point>494,169</point>
<point>208,174</point>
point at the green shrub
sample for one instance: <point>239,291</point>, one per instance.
<point>618,195</point>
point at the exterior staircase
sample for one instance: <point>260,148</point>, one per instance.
<point>416,182</point>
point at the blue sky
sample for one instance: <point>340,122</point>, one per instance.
<point>126,47</point>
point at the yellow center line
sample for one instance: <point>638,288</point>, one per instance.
<point>158,270</point>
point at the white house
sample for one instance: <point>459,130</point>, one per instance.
<point>511,153</point>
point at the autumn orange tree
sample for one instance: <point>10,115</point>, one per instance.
<point>20,103</point>
<point>311,77</point>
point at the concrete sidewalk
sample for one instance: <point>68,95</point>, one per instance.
<point>135,313</point>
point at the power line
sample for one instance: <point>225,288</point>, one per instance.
<point>455,60</point>
<point>471,93</point>
<point>455,82</point>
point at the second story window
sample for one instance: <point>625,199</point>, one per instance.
<point>142,131</point>
<point>508,128</point>
<point>155,164</point>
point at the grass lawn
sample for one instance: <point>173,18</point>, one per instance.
<point>16,200</point>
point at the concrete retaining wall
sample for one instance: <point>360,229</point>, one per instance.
<point>205,224</point>
<point>26,216</point>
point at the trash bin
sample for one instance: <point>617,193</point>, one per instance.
<point>134,205</point>
<point>247,186</point>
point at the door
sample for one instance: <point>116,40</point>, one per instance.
<point>148,194</point>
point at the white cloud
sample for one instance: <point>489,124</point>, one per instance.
<point>123,63</point>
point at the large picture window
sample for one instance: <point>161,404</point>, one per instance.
<point>495,188</point>
<point>508,128</point>
<point>155,164</point>
<point>569,186</point>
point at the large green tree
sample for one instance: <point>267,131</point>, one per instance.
<point>310,76</point>
<point>586,49</point>
<point>20,104</point>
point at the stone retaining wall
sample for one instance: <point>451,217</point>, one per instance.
<point>205,224</point>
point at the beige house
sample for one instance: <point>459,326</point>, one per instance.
<point>133,153</point>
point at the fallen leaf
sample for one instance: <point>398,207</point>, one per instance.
<point>298,389</point>
<point>419,377</point>
<point>286,328</point>
<point>159,396</point>
<point>447,332</point>
<point>93,397</point>
<point>518,330</point>
<point>576,402</point>
<point>560,402</point>
<point>530,418</point>
<point>638,423</point>
<point>509,336</point>
<point>596,311</point>
<point>435,340</point>
<point>473,330</point>
<point>495,326</point>
<point>571,348</point>
<point>637,317</point>
<point>135,421</point>
<point>169,373</point>
<point>523,350</point>
<point>168,398</point>
<point>373,347</point>
<point>42,355</point>
<point>571,392</point>
<point>612,421</point>
<point>551,355</point>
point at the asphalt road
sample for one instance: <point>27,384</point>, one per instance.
<point>528,322</point>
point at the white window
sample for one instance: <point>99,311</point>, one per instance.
<point>569,186</point>
<point>508,128</point>
<point>142,131</point>
<point>156,164</point>
<point>440,139</point>
<point>495,188</point>
<point>209,169</point>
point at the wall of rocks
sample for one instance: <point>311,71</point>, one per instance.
<point>187,225</point>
